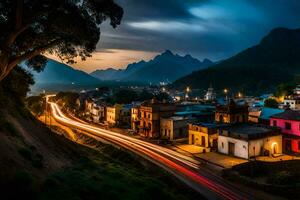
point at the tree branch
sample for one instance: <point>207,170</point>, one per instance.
<point>30,55</point>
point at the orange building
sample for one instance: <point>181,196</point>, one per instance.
<point>150,114</point>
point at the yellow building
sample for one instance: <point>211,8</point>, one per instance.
<point>204,135</point>
<point>135,118</point>
<point>113,114</point>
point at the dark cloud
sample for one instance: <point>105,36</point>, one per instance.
<point>204,28</point>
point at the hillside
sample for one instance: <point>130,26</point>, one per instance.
<point>164,67</point>
<point>257,69</point>
<point>36,163</point>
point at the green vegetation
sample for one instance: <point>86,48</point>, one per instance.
<point>280,178</point>
<point>67,100</point>
<point>271,103</point>
<point>36,104</point>
<point>285,89</point>
<point>126,96</point>
<point>108,180</point>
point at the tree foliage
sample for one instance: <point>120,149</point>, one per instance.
<point>65,28</point>
<point>285,89</point>
<point>67,100</point>
<point>36,104</point>
<point>14,88</point>
<point>271,103</point>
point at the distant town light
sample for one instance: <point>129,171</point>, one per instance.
<point>225,91</point>
<point>188,89</point>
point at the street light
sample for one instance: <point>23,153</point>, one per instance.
<point>225,92</point>
<point>188,89</point>
<point>240,95</point>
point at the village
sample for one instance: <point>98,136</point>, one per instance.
<point>225,131</point>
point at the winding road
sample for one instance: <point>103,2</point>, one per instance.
<point>185,168</point>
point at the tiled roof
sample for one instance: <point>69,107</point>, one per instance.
<point>288,115</point>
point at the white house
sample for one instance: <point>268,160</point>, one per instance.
<point>292,103</point>
<point>248,141</point>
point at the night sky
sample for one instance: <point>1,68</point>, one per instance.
<point>214,29</point>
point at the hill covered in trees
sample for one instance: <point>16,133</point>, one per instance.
<point>258,69</point>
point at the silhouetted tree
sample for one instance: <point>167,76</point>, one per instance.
<point>36,104</point>
<point>14,88</point>
<point>163,96</point>
<point>271,103</point>
<point>65,28</point>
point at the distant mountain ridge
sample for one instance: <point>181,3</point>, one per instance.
<point>164,67</point>
<point>59,73</point>
<point>260,68</point>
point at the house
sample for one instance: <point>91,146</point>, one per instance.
<point>293,101</point>
<point>248,141</point>
<point>263,115</point>
<point>204,135</point>
<point>113,114</point>
<point>88,105</point>
<point>98,112</point>
<point>232,113</point>
<point>289,122</point>
<point>173,128</point>
<point>151,112</point>
<point>125,115</point>
<point>135,118</point>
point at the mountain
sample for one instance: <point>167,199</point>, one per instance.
<point>164,67</point>
<point>112,74</point>
<point>59,73</point>
<point>260,68</point>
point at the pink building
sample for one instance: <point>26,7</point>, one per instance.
<point>289,122</point>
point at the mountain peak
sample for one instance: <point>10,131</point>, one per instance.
<point>207,61</point>
<point>167,53</point>
<point>188,56</point>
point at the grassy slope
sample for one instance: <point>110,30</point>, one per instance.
<point>37,164</point>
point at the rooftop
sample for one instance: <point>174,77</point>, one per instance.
<point>266,113</point>
<point>288,115</point>
<point>249,131</point>
<point>208,125</point>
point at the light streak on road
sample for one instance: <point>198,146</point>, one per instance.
<point>182,166</point>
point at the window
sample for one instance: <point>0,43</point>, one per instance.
<point>203,140</point>
<point>298,145</point>
<point>222,145</point>
<point>288,126</point>
<point>274,122</point>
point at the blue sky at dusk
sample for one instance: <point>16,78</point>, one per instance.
<point>214,29</point>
